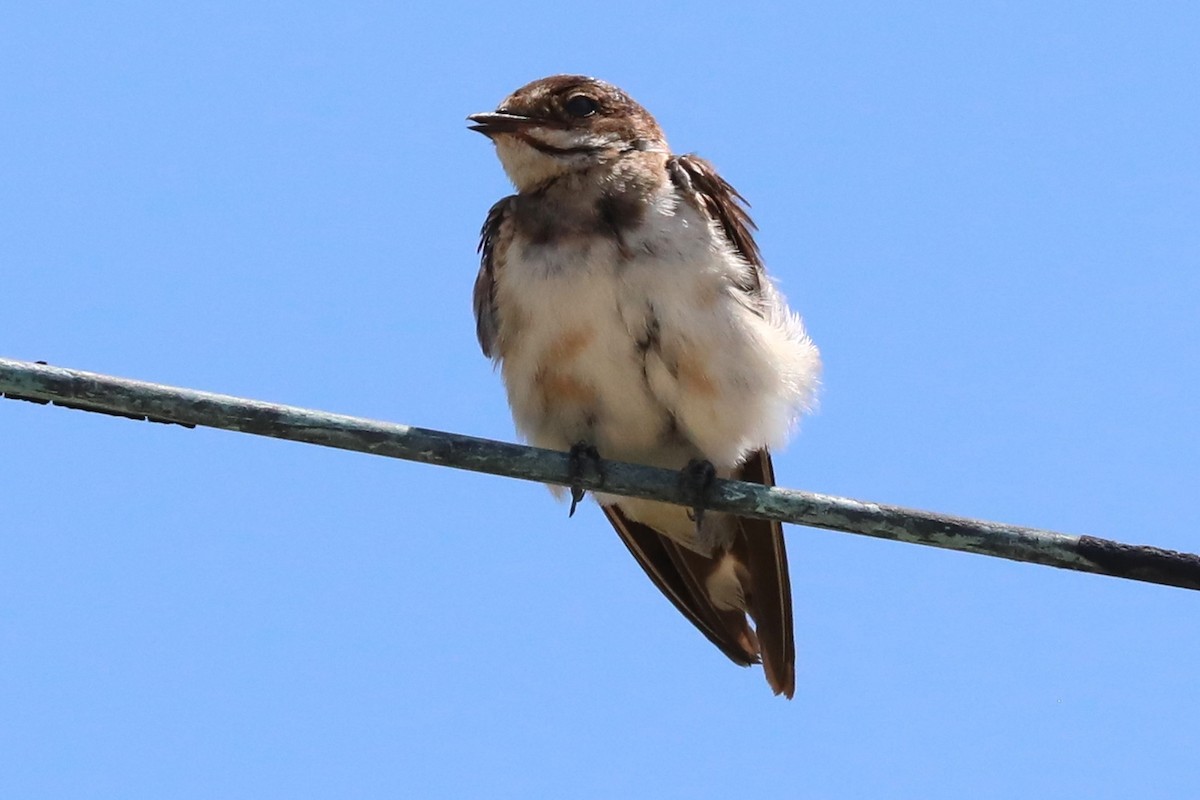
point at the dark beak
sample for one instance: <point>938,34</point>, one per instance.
<point>498,122</point>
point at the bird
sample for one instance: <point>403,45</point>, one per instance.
<point>625,302</point>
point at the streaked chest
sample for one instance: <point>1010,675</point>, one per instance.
<point>582,314</point>
<point>600,292</point>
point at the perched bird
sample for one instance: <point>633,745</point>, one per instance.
<point>624,298</point>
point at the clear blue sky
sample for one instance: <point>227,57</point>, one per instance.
<point>989,214</point>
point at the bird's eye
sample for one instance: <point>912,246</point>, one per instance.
<point>581,105</point>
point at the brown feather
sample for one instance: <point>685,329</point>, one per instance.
<point>700,183</point>
<point>769,593</point>
<point>680,574</point>
<point>493,240</point>
<point>759,547</point>
<point>666,565</point>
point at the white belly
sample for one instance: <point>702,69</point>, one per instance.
<point>647,351</point>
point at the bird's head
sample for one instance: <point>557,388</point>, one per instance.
<point>566,124</point>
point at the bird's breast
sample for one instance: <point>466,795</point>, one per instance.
<point>574,328</point>
<point>642,344</point>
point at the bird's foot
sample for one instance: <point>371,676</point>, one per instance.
<point>580,458</point>
<point>696,480</point>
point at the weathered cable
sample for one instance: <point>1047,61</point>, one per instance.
<point>42,383</point>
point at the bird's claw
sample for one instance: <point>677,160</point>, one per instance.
<point>697,479</point>
<point>579,458</point>
<point>576,495</point>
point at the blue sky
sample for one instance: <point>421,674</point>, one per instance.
<point>986,212</point>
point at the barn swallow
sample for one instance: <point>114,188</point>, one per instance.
<point>625,300</point>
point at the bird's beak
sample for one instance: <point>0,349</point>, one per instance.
<point>494,122</point>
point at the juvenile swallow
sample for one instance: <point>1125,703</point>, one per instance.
<point>624,298</point>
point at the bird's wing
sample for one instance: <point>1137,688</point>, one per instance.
<point>679,574</point>
<point>705,189</point>
<point>759,547</point>
<point>493,245</point>
<point>768,591</point>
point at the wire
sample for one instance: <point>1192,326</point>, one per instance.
<point>42,383</point>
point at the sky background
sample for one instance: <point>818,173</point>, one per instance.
<point>987,213</point>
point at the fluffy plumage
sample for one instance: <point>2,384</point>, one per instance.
<point>626,302</point>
